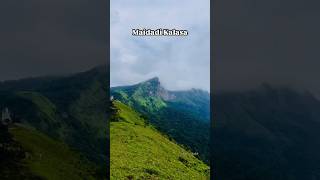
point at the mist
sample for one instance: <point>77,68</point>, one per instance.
<point>273,42</point>
<point>51,37</point>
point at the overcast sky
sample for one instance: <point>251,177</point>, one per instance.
<point>49,37</point>
<point>274,41</point>
<point>179,62</point>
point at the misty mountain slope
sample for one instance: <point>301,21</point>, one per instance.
<point>138,151</point>
<point>267,133</point>
<point>70,108</point>
<point>195,100</point>
<point>182,115</point>
<point>150,94</point>
<point>62,90</point>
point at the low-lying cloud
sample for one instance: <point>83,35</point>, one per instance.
<point>275,41</point>
<point>179,62</point>
<point>50,37</point>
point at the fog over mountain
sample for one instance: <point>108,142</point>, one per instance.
<point>272,41</point>
<point>51,37</point>
<point>180,62</point>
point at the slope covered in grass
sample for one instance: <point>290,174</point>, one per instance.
<point>138,151</point>
<point>182,115</point>
<point>71,109</point>
<point>49,159</point>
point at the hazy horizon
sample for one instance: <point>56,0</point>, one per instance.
<point>62,74</point>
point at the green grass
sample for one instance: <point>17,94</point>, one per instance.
<point>126,114</point>
<point>138,151</point>
<point>90,109</point>
<point>43,115</point>
<point>51,159</point>
<point>46,107</point>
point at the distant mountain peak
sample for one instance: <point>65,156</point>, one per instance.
<point>156,79</point>
<point>153,88</point>
<point>198,90</point>
<point>152,94</point>
<point>153,81</point>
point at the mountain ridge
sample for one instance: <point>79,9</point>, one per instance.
<point>156,83</point>
<point>153,88</point>
<point>71,109</point>
<point>182,115</point>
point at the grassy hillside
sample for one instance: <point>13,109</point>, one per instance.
<point>71,109</point>
<point>33,155</point>
<point>138,151</point>
<point>182,115</point>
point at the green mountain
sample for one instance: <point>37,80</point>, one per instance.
<point>69,109</point>
<point>152,96</point>
<point>182,115</point>
<point>139,151</point>
<point>266,133</point>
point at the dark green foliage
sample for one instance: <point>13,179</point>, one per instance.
<point>268,133</point>
<point>185,129</point>
<point>12,155</point>
<point>195,100</point>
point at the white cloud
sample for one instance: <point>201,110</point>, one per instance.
<point>179,62</point>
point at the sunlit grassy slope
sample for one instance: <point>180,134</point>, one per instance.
<point>138,151</point>
<point>50,159</point>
